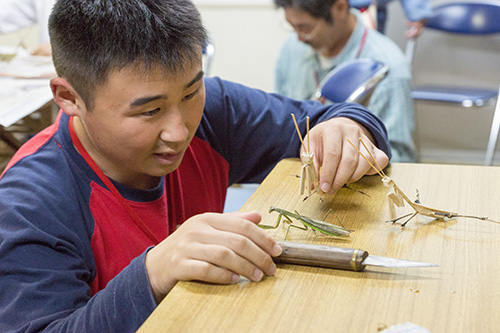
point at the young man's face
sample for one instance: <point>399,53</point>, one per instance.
<point>142,123</point>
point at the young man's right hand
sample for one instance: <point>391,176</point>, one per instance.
<point>215,248</point>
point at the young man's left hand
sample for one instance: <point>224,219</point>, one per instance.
<point>338,161</point>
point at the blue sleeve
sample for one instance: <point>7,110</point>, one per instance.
<point>253,130</point>
<point>47,265</point>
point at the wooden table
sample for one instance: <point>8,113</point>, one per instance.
<point>461,295</point>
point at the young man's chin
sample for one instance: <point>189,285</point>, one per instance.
<point>164,169</point>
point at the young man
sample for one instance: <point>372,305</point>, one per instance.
<point>330,33</point>
<point>144,147</point>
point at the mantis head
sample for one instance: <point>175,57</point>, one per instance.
<point>388,182</point>
<point>307,158</point>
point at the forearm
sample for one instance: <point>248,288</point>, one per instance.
<point>120,307</point>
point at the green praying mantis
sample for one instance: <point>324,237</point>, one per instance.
<point>307,222</point>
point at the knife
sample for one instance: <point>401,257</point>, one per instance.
<point>338,257</point>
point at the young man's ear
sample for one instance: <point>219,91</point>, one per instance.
<point>66,97</point>
<point>339,9</point>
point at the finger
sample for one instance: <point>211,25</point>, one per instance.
<point>349,164</point>
<point>254,217</point>
<point>375,159</point>
<point>225,257</point>
<point>371,159</point>
<point>362,168</point>
<point>381,161</point>
<point>235,224</point>
<point>329,161</point>
<point>231,245</point>
<point>204,271</point>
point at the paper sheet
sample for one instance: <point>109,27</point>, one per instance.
<point>24,83</point>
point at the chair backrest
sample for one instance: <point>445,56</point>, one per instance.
<point>471,18</point>
<point>352,81</point>
<point>208,55</point>
<point>468,18</point>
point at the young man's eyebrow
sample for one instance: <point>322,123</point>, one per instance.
<point>145,100</point>
<point>198,77</point>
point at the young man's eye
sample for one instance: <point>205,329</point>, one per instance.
<point>151,113</point>
<point>191,95</point>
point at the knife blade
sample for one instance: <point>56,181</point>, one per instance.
<point>338,257</point>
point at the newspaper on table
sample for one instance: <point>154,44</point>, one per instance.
<point>24,83</point>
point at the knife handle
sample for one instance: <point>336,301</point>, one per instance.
<point>321,256</point>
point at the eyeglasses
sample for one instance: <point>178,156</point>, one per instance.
<point>307,36</point>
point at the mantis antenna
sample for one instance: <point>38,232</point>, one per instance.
<point>379,170</point>
<point>308,137</point>
<point>308,178</point>
<point>373,158</point>
<point>298,131</point>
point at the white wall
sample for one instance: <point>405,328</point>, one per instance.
<point>247,40</point>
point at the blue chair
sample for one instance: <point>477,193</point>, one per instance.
<point>208,55</point>
<point>465,18</point>
<point>352,81</point>
<point>360,4</point>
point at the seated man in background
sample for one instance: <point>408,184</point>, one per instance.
<point>18,14</point>
<point>106,210</point>
<point>329,33</point>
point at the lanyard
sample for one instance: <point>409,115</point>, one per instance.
<point>358,53</point>
<point>138,221</point>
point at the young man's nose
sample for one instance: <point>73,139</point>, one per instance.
<point>174,128</point>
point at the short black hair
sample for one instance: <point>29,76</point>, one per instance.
<point>92,38</point>
<point>316,8</point>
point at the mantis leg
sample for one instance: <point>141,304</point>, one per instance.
<point>414,214</point>
<point>401,217</point>
<point>391,206</point>
<point>290,224</point>
<point>302,180</point>
<point>331,211</point>
<point>278,220</point>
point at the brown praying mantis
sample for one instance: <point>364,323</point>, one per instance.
<point>308,178</point>
<point>396,197</point>
<point>307,222</point>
